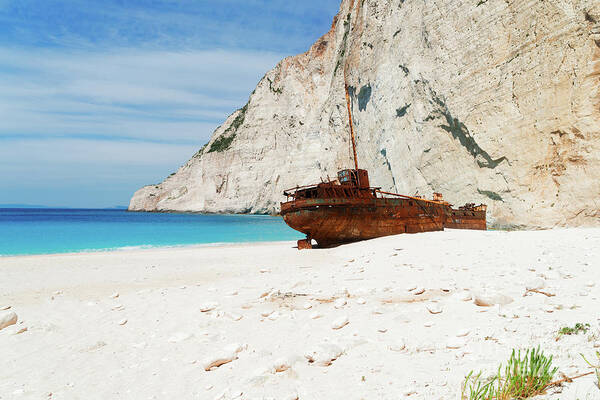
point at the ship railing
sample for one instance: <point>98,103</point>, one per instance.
<point>403,196</point>
<point>290,192</point>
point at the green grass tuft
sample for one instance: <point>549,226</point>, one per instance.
<point>579,327</point>
<point>596,368</point>
<point>522,378</point>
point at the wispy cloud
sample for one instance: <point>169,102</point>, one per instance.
<point>99,98</point>
<point>131,93</point>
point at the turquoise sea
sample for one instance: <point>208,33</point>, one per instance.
<point>47,231</point>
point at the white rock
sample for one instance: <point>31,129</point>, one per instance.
<point>434,308</point>
<point>382,329</point>
<point>5,308</point>
<point>307,306</point>
<point>123,321</point>
<point>114,295</point>
<point>339,303</point>
<point>208,306</point>
<point>324,354</point>
<point>340,322</point>
<point>315,315</point>
<point>418,291</point>
<point>7,319</point>
<point>234,316</point>
<point>266,313</point>
<point>360,300</point>
<point>224,356</point>
<point>590,284</point>
<point>233,293</point>
<point>491,299</point>
<point>455,343</point>
<point>281,365</point>
<point>464,295</point>
<point>264,271</point>
<point>463,332</point>
<point>273,316</point>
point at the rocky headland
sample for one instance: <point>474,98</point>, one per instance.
<point>493,101</point>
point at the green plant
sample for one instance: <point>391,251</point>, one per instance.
<point>595,367</point>
<point>522,378</point>
<point>579,327</point>
<point>223,142</point>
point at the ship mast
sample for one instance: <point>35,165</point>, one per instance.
<point>351,125</point>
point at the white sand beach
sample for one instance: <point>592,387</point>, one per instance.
<point>396,317</point>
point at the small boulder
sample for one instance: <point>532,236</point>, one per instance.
<point>434,308</point>
<point>7,319</point>
<point>340,322</point>
<point>281,365</point>
<point>491,299</point>
<point>324,354</point>
<point>455,343</point>
<point>227,355</point>
<point>339,303</point>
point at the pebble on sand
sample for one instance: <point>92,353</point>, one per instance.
<point>234,316</point>
<point>3,308</point>
<point>114,295</point>
<point>489,300</point>
<point>465,295</point>
<point>122,322</point>
<point>211,305</point>
<point>455,343</point>
<point>360,300</point>
<point>339,303</point>
<point>434,308</point>
<point>418,291</point>
<point>463,332</point>
<point>307,306</point>
<point>281,365</point>
<point>340,322</point>
<point>324,354</point>
<point>225,356</point>
<point>315,315</point>
<point>7,319</point>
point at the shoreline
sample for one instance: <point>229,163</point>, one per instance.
<point>394,317</point>
<point>146,248</point>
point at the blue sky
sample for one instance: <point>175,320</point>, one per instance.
<point>100,98</point>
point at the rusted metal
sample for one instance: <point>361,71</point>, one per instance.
<point>351,124</point>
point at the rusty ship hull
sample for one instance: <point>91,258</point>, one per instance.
<point>348,210</point>
<point>335,221</point>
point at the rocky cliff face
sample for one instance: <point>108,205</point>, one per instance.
<point>494,101</point>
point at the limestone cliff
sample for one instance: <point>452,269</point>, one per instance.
<point>494,101</point>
